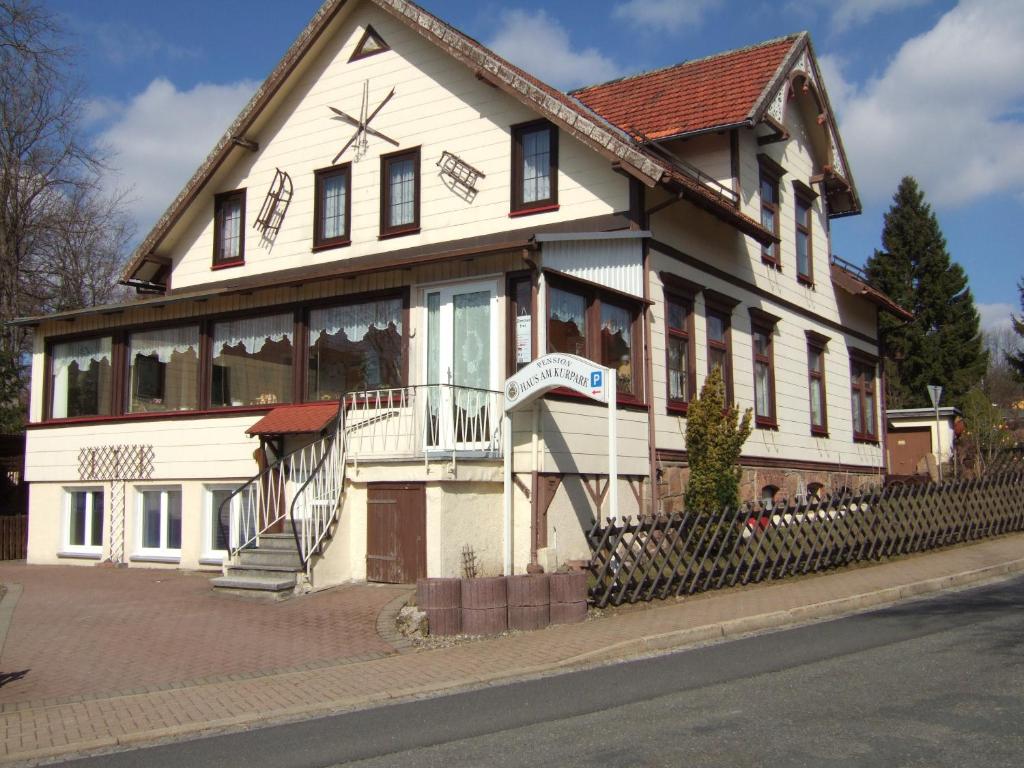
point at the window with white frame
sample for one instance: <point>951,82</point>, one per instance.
<point>159,528</point>
<point>220,520</point>
<point>83,520</point>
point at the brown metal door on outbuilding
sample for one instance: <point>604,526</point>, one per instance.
<point>396,532</point>
<point>908,447</point>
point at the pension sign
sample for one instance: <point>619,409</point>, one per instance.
<point>556,371</point>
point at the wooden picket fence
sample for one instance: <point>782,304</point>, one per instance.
<point>656,557</point>
<point>13,537</point>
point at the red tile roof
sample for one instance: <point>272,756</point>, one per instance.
<point>693,96</point>
<point>295,419</point>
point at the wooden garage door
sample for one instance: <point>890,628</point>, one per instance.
<point>908,447</point>
<point>396,532</point>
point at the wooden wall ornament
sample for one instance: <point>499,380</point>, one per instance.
<point>362,125</point>
<point>275,204</point>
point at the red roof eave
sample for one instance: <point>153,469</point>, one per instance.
<point>299,419</point>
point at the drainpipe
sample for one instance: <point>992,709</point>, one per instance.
<point>639,218</point>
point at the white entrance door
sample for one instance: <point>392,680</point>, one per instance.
<point>461,366</point>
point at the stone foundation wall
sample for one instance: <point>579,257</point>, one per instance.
<point>790,483</point>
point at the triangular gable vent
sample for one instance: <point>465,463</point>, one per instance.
<point>369,44</point>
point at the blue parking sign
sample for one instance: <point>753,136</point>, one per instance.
<point>596,379</point>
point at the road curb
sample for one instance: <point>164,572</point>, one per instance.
<point>681,638</point>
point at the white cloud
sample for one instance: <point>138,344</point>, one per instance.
<point>121,43</point>
<point>947,109</point>
<point>854,13</point>
<point>540,45</point>
<point>662,15</point>
<point>996,317</point>
<point>160,137</point>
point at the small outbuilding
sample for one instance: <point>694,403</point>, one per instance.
<point>914,434</point>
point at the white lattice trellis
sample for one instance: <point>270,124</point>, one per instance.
<point>116,464</point>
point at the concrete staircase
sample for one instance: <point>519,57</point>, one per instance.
<point>270,569</point>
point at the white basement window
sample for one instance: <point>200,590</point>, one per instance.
<point>83,523</point>
<point>159,525</point>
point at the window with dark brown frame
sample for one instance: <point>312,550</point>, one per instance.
<point>332,208</point>
<point>816,387</point>
<point>680,352</point>
<point>761,334</point>
<point>229,229</point>
<point>400,193</point>
<point>770,214</point>
<point>520,322</point>
<point>862,400</point>
<point>599,325</point>
<point>719,333</point>
<point>804,208</point>
<point>534,167</point>
<point>231,360</point>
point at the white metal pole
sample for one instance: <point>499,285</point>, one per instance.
<point>613,447</point>
<point>938,442</point>
<point>506,426</point>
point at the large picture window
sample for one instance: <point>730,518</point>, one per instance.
<point>332,207</point>
<point>400,193</point>
<point>354,348</point>
<point>598,325</point>
<point>862,400</point>
<point>163,370</point>
<point>81,380</point>
<point>252,361</point>
<point>534,167</point>
<point>83,529</point>
<point>159,528</point>
<point>229,229</point>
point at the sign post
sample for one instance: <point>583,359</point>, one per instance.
<point>557,371</point>
<point>935,393</point>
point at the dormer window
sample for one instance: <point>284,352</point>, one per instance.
<point>534,168</point>
<point>229,229</point>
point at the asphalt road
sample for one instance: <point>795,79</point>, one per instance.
<point>936,682</point>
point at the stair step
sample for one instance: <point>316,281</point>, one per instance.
<point>262,571</point>
<point>269,557</point>
<point>278,541</point>
<point>265,584</point>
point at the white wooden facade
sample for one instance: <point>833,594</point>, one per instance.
<point>598,237</point>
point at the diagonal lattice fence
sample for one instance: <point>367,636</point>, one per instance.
<point>656,557</point>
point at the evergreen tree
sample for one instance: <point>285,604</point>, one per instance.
<point>1016,360</point>
<point>943,343</point>
<point>714,438</point>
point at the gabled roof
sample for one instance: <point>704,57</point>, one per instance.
<point>719,91</point>
<point>298,419</point>
<point>567,111</point>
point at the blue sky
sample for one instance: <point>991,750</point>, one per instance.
<point>931,88</point>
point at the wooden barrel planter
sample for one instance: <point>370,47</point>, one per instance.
<point>568,597</point>
<point>528,601</point>
<point>441,600</point>
<point>484,606</point>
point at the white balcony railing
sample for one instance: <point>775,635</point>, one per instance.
<point>430,421</point>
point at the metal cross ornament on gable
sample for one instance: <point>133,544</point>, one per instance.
<point>362,125</point>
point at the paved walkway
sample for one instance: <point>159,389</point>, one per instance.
<point>78,631</point>
<point>37,728</point>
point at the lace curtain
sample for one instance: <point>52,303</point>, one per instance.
<point>566,307</point>
<point>403,191</point>
<point>356,320</point>
<point>536,166</point>
<point>334,207</point>
<point>165,342</point>
<point>84,353</point>
<point>616,320</point>
<point>472,348</point>
<point>252,333</point>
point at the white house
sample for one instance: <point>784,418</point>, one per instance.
<point>399,220</point>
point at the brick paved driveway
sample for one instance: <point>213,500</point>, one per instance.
<point>83,631</point>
